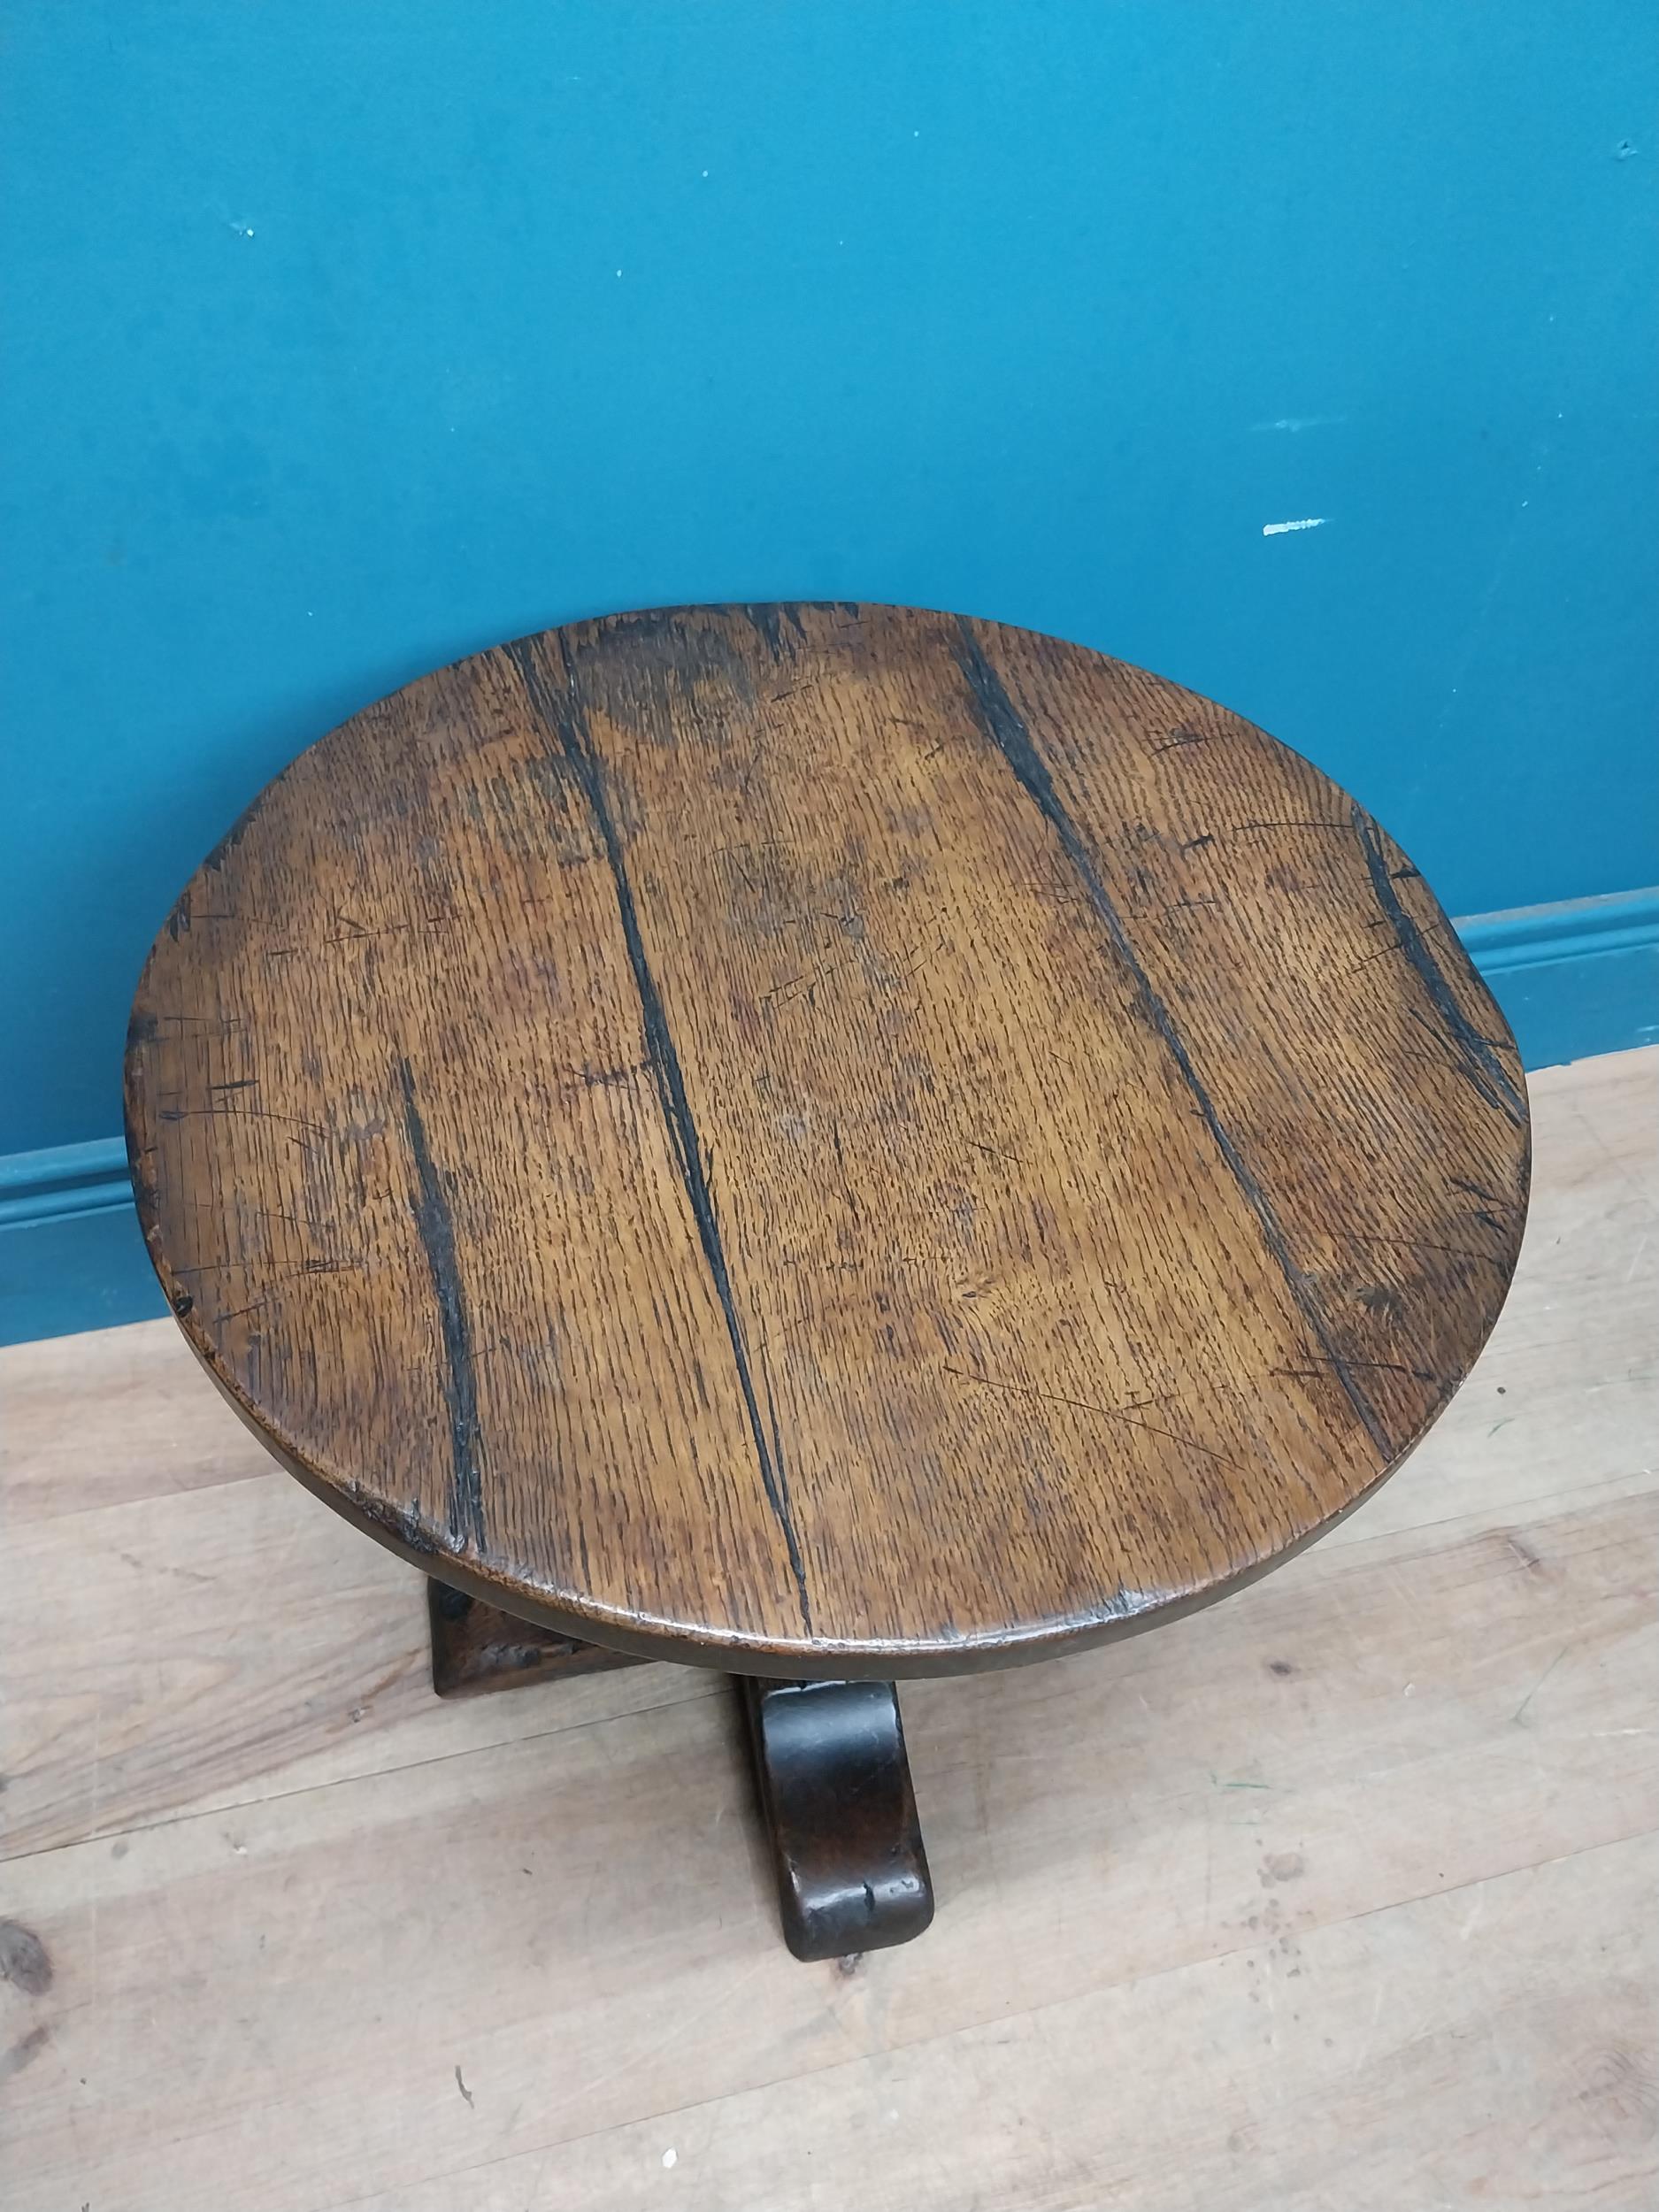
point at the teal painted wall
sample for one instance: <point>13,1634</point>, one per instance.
<point>347,338</point>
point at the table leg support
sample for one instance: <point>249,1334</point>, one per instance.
<point>477,1647</point>
<point>831,1773</point>
<point>835,1796</point>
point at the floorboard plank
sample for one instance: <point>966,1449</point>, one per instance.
<point>1341,2071</point>
<point>579,1920</point>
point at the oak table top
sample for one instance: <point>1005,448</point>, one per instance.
<point>824,1140</point>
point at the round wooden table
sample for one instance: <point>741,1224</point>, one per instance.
<point>832,1142</point>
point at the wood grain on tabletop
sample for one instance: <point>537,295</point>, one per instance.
<point>824,1139</point>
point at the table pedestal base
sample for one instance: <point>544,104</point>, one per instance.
<point>832,1779</point>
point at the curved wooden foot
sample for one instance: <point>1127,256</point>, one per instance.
<point>836,1796</point>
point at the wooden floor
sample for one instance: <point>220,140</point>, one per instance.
<point>1342,1894</point>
